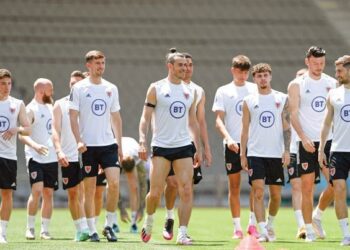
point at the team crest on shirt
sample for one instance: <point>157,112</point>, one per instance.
<point>278,104</point>
<point>186,95</point>
<point>65,181</point>
<point>304,165</point>
<point>332,171</point>
<point>328,89</point>
<point>307,91</point>
<point>228,166</point>
<point>250,172</point>
<point>33,175</point>
<point>12,110</point>
<point>87,169</point>
<point>109,93</point>
<point>291,171</point>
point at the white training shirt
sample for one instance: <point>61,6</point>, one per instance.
<point>41,132</point>
<point>170,116</point>
<point>95,102</point>
<point>266,129</point>
<point>340,100</point>
<point>9,112</point>
<point>131,148</point>
<point>198,89</point>
<point>293,142</point>
<point>68,142</point>
<point>229,99</point>
<point>312,106</point>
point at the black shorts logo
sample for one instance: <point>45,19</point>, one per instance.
<point>291,171</point>
<point>229,166</point>
<point>87,169</point>
<point>305,165</point>
<point>65,181</point>
<point>250,172</point>
<point>332,171</point>
<point>33,175</point>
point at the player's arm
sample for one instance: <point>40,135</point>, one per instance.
<point>203,129</point>
<point>244,135</point>
<point>150,104</point>
<point>220,126</point>
<point>56,135</point>
<point>117,126</point>
<point>193,126</point>
<point>23,128</point>
<point>73,117</point>
<point>326,127</point>
<point>25,139</point>
<point>286,134</point>
<point>294,103</point>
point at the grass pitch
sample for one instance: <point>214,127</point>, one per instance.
<point>211,228</point>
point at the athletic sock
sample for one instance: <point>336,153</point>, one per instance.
<point>344,226</point>
<point>91,225</point>
<point>170,214</point>
<point>237,224</point>
<point>45,222</point>
<point>133,217</point>
<point>3,224</point>
<point>317,213</point>
<point>110,218</point>
<point>270,220</point>
<point>262,227</point>
<point>31,221</point>
<point>299,218</point>
<point>252,219</point>
<point>77,225</point>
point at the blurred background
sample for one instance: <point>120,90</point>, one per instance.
<point>49,38</point>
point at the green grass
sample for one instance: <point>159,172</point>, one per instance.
<point>211,229</point>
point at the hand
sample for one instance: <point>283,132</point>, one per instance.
<point>62,159</point>
<point>197,159</point>
<point>143,151</point>
<point>41,149</point>
<point>82,147</point>
<point>285,159</point>
<point>322,159</point>
<point>208,157</point>
<point>120,154</point>
<point>244,162</point>
<point>124,216</point>
<point>7,135</point>
<point>233,146</point>
<point>308,145</point>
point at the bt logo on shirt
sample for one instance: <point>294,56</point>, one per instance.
<point>318,104</point>
<point>266,119</point>
<point>239,106</point>
<point>4,124</point>
<point>98,107</point>
<point>177,109</point>
<point>345,113</point>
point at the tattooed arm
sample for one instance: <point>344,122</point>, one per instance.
<point>286,133</point>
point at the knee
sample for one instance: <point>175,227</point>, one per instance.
<point>113,185</point>
<point>259,194</point>
<point>73,194</point>
<point>154,194</point>
<point>171,183</point>
<point>6,195</point>
<point>276,198</point>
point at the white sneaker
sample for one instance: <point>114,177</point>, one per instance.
<point>263,238</point>
<point>317,224</point>
<point>183,239</point>
<point>310,237</point>
<point>271,234</point>
<point>345,241</point>
<point>30,234</point>
<point>3,239</point>
<point>45,236</point>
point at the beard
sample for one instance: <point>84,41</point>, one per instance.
<point>47,99</point>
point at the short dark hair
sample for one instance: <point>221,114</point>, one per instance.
<point>5,73</point>
<point>187,55</point>
<point>315,52</point>
<point>94,54</point>
<point>77,73</point>
<point>241,62</point>
<point>172,54</point>
<point>260,68</point>
<point>128,164</point>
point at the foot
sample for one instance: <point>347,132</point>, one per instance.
<point>183,240</point>
<point>134,229</point>
<point>317,225</point>
<point>263,238</point>
<point>253,231</point>
<point>45,236</point>
<point>168,229</point>
<point>94,238</point>
<point>345,241</point>
<point>109,234</point>
<point>30,234</point>
<point>115,228</point>
<point>146,233</point>
<point>271,234</point>
<point>301,234</point>
<point>3,239</point>
<point>84,235</point>
<point>237,234</point>
<point>310,237</point>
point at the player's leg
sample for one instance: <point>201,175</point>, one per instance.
<point>5,212</point>
<point>170,193</point>
<point>234,186</point>
<point>133,197</point>
<point>307,185</point>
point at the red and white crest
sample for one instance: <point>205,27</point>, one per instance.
<point>278,104</point>
<point>33,175</point>
<point>12,110</point>
<point>228,166</point>
<point>304,165</point>
<point>87,169</point>
<point>291,171</point>
<point>65,181</point>
<point>250,172</point>
<point>109,93</point>
<point>328,89</point>
<point>332,171</point>
<point>187,95</point>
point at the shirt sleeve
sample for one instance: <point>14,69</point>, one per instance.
<point>74,99</point>
<point>218,101</point>
<point>115,106</point>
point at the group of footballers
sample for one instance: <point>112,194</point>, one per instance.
<point>263,131</point>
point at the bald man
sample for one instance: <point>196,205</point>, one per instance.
<point>41,158</point>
